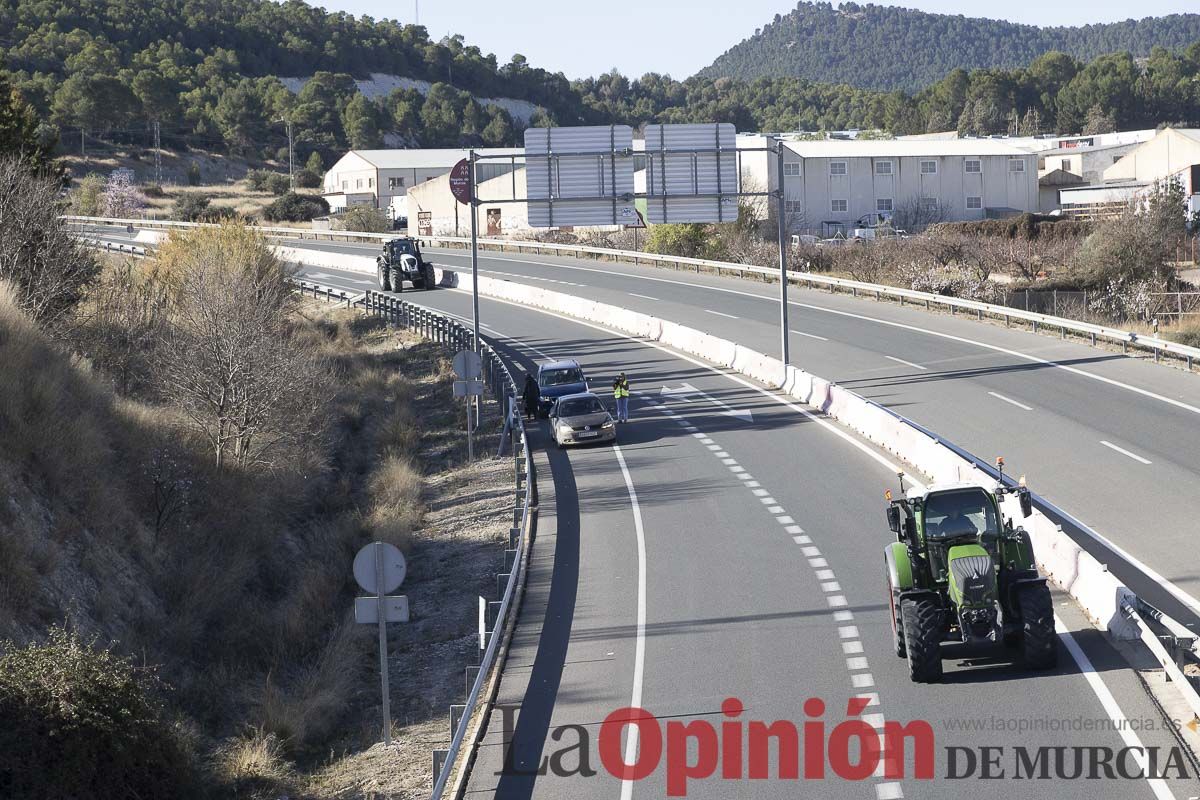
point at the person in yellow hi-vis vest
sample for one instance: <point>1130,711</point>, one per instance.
<point>621,393</point>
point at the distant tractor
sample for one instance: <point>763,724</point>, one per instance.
<point>401,261</point>
<point>959,572</point>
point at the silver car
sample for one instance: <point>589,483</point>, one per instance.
<point>579,419</point>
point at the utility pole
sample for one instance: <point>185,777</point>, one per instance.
<point>82,142</point>
<point>157,154</point>
<point>416,12</point>
<point>291,154</point>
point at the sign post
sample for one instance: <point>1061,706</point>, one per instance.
<point>380,568</point>
<point>462,186</point>
<point>468,366</point>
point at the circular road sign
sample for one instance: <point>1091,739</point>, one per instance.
<point>394,567</point>
<point>467,364</point>
<point>460,182</point>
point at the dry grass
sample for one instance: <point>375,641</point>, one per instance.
<point>243,596</point>
<point>252,765</point>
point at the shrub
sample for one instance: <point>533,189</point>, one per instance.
<point>82,722</point>
<point>277,183</point>
<point>315,164</point>
<point>85,200</point>
<point>264,180</point>
<point>193,174</point>
<point>687,240</point>
<point>294,207</point>
<point>256,179</point>
<point>190,207</point>
<point>1187,334</point>
<point>307,179</point>
<point>365,219</point>
<point>153,190</point>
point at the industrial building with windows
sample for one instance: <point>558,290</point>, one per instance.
<point>832,185</point>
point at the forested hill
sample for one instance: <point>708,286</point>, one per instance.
<point>209,74</point>
<point>885,47</point>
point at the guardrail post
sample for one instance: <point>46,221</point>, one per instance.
<point>439,761</point>
<point>456,715</point>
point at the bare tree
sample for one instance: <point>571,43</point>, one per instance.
<point>917,213</point>
<point>47,266</point>
<point>229,362</point>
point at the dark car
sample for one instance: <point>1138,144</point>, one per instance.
<point>557,379</point>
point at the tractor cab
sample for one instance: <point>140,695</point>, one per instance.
<point>960,572</point>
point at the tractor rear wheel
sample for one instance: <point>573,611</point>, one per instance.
<point>922,620</point>
<point>1037,623</point>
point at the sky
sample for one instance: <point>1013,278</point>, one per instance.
<point>583,37</point>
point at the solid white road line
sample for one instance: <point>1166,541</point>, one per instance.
<point>1011,401</point>
<point>809,335</point>
<point>1121,722</point>
<point>719,313</point>
<point>1125,452</point>
<point>639,652</point>
<point>905,363</point>
<point>643,296</point>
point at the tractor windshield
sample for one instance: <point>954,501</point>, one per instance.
<point>401,246</point>
<point>961,512</point>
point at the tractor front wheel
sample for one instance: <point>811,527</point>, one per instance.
<point>897,622</point>
<point>922,621</point>
<point>1037,622</point>
<point>384,284</point>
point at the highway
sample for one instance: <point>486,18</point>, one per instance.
<point>1113,440</point>
<point>710,557</point>
<point>763,582</point>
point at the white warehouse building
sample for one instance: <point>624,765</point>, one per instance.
<point>382,178</point>
<point>829,185</point>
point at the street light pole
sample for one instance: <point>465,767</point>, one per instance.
<point>783,258</point>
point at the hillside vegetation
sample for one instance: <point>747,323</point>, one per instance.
<point>210,75</point>
<point>190,459</point>
<point>888,47</point>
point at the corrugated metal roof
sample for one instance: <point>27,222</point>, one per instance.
<point>1191,133</point>
<point>426,159</point>
<point>897,148</point>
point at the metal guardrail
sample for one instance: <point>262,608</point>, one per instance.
<point>1036,320</point>
<point>467,731</point>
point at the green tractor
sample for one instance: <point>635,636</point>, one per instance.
<point>959,572</point>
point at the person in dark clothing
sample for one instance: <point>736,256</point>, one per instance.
<point>530,396</point>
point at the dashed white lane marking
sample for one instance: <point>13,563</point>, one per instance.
<point>809,335</point>
<point>1125,452</point>
<point>643,296</point>
<point>905,363</point>
<point>719,313</point>
<point>1010,401</point>
<point>529,277</point>
<point>848,636</point>
<point>888,791</point>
